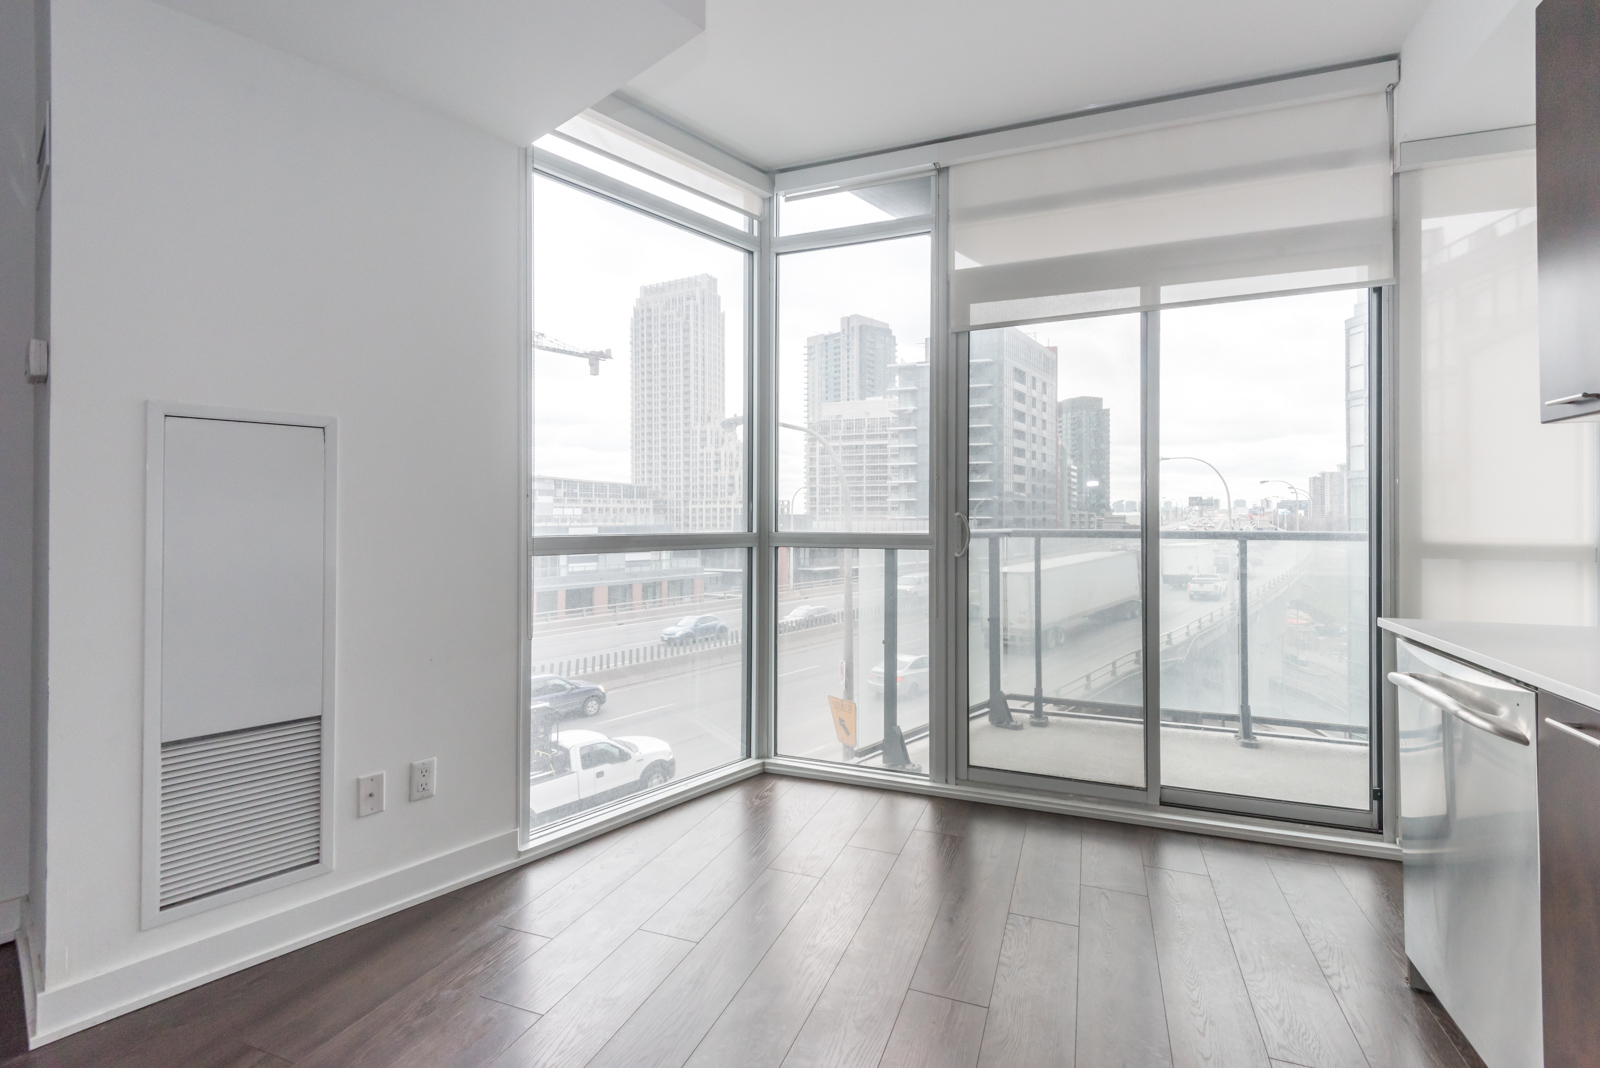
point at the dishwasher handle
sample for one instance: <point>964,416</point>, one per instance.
<point>1435,689</point>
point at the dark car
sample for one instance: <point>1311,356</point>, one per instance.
<point>565,697</point>
<point>694,629</point>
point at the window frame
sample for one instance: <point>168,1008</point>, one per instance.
<point>1154,795</point>
<point>933,541</point>
<point>946,773</point>
<point>536,163</point>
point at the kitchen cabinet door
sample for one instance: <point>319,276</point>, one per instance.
<point>1569,878</point>
<point>1568,59</point>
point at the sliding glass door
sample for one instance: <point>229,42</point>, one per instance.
<point>1055,615</point>
<point>1170,509</point>
<point>1266,622</point>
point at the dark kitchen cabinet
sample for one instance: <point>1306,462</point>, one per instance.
<point>1569,879</point>
<point>1568,56</point>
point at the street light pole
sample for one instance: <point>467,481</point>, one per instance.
<point>1293,489</point>
<point>1246,735</point>
<point>1214,470</point>
<point>844,556</point>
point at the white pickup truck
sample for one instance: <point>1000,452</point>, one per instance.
<point>578,769</point>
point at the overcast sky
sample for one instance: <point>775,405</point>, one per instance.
<point>589,259</point>
<point>1255,387</point>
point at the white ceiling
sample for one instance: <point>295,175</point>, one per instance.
<point>517,68</point>
<point>782,83</point>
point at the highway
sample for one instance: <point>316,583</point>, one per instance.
<point>700,712</point>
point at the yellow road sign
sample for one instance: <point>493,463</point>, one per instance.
<point>844,720</point>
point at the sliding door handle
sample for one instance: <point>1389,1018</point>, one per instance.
<point>1577,730</point>
<point>966,534</point>
<point>1576,398</point>
<point>1435,689</point>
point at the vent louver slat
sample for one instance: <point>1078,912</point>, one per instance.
<point>240,807</point>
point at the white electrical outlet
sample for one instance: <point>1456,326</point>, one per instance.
<point>371,795</point>
<point>424,778</point>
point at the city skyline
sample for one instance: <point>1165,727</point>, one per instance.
<point>1268,418</point>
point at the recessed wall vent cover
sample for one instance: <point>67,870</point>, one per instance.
<point>238,657</point>
<point>239,807</point>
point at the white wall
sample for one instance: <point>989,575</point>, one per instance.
<point>234,226</point>
<point>1467,65</point>
<point>18,133</point>
<point>1499,515</point>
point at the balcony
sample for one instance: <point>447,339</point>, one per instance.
<point>1263,670</point>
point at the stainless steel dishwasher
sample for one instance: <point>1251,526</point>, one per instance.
<point>1469,831</point>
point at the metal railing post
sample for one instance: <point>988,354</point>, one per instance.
<point>1247,736</point>
<point>1038,719</point>
<point>847,665</point>
<point>999,706</point>
<point>894,742</point>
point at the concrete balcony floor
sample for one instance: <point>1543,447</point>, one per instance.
<point>1284,766</point>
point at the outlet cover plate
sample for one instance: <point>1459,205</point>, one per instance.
<point>424,778</point>
<point>370,797</point>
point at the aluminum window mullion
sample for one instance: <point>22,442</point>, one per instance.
<point>956,416</point>
<point>763,408</point>
<point>584,544</point>
<point>855,235</point>
<point>1150,551</point>
<point>941,494</point>
<point>525,493</point>
<point>1381,487</point>
<point>848,539</point>
<point>620,192</point>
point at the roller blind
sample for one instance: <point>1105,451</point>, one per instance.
<point>1277,200</point>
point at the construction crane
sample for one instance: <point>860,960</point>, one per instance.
<point>546,343</point>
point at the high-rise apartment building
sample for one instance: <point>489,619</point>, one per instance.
<point>848,365</point>
<point>847,472</point>
<point>1012,451</point>
<point>848,414</point>
<point>1329,500</point>
<point>1355,413</point>
<point>1083,429</point>
<point>910,451</point>
<point>682,454</point>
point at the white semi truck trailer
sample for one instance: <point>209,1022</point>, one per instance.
<point>1183,560</point>
<point>1095,586</point>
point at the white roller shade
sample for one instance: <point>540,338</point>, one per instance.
<point>1275,200</point>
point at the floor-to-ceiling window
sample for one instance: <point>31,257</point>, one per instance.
<point>856,376</point>
<point>1266,680</point>
<point>1143,569</point>
<point>1055,624</point>
<point>640,481</point>
<point>1170,374</point>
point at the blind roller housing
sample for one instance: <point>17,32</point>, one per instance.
<point>1289,198</point>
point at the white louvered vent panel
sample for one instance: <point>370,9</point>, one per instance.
<point>239,807</point>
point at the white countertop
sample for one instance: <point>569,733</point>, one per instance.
<point>1563,660</point>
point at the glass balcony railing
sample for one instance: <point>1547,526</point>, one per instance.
<point>1261,645</point>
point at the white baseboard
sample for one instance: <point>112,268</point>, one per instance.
<point>30,989</point>
<point>63,1010</point>
<point>10,919</point>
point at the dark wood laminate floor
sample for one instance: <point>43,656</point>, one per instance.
<point>783,922</point>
